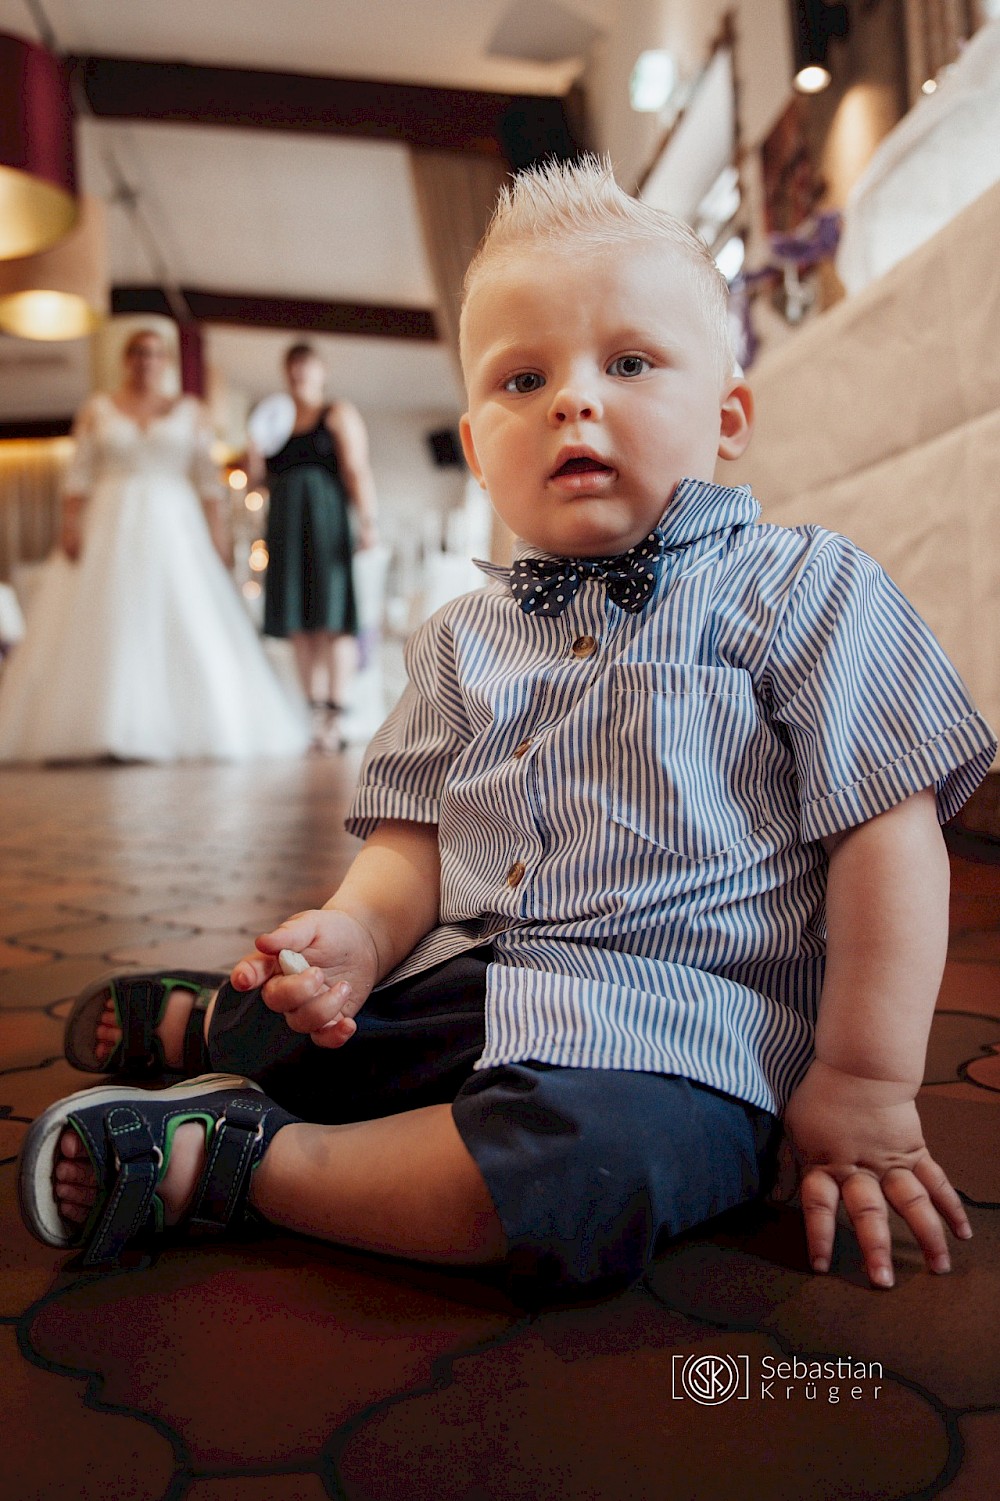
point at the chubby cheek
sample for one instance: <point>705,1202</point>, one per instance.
<point>503,449</point>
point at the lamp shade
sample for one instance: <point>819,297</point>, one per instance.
<point>37,173</point>
<point>60,293</point>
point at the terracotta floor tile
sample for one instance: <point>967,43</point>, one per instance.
<point>974,878</point>
<point>259,1488</point>
<point>986,1071</point>
<point>27,1269</point>
<point>979,1477</point>
<point>972,986</point>
<point>56,1446</point>
<point>974,910</point>
<point>29,1091</point>
<point>12,957</point>
<point>516,1423</point>
<point>254,916</point>
<point>976,947</point>
<point>40,984</point>
<point>315,1340</point>
<point>209,951</point>
<point>100,937</point>
<point>927,1330</point>
<point>26,1037</point>
<point>23,917</point>
<point>958,1039</point>
<point>964,1137</point>
<point>156,901</point>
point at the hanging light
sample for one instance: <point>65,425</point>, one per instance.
<point>814,22</point>
<point>60,293</point>
<point>37,173</point>
<point>652,82</point>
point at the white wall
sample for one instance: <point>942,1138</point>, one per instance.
<point>687,28</point>
<point>415,496</point>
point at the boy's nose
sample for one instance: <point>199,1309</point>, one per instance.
<point>572,403</point>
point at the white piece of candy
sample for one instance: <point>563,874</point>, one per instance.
<point>291,962</point>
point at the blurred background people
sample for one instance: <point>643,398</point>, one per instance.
<point>137,644</point>
<point>316,456</point>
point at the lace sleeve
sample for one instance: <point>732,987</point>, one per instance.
<point>79,475</point>
<point>204,470</point>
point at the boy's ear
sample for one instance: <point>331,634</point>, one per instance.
<point>737,420</point>
<point>469,448</point>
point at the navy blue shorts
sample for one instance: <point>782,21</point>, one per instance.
<point>590,1170</point>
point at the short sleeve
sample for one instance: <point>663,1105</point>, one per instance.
<point>408,761</point>
<point>79,474</point>
<point>873,708</point>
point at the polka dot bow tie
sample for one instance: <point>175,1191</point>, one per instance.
<point>545,586</point>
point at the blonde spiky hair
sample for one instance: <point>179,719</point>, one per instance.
<point>580,202</point>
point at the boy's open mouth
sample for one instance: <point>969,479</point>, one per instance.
<point>582,465</point>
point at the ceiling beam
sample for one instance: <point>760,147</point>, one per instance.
<point>35,427</point>
<point>518,128</point>
<point>293,314</point>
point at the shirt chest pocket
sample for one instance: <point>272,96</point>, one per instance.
<point>686,760</point>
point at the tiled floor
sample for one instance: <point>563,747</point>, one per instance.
<point>290,1371</point>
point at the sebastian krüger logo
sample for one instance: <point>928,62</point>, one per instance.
<point>711,1379</point>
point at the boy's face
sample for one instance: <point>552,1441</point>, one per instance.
<point>594,388</point>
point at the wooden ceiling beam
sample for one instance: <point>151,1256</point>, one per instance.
<point>292,314</point>
<point>518,128</point>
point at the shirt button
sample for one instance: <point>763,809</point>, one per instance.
<point>516,874</point>
<point>521,749</point>
<point>584,646</point>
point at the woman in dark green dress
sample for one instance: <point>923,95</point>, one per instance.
<point>320,473</point>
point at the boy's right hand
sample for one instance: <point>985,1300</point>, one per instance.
<point>323,1000</point>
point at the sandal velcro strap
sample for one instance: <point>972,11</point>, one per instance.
<point>129,1136</point>
<point>194,1057</point>
<point>232,1154</point>
<point>137,1161</point>
<point>139,1005</point>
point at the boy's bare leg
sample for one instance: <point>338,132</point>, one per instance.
<point>404,1185</point>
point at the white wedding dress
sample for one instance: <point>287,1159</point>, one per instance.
<point>142,649</point>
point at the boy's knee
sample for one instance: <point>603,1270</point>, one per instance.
<point>244,1037</point>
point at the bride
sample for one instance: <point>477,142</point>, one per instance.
<point>137,644</point>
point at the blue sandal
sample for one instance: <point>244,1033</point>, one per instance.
<point>139,1001</point>
<point>128,1135</point>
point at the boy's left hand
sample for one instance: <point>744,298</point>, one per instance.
<point>860,1141</point>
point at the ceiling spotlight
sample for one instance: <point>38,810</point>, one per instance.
<point>653,80</point>
<point>814,22</point>
<point>812,79</point>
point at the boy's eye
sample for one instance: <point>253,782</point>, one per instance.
<point>629,364</point>
<point>524,383</point>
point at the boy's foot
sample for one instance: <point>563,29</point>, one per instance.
<point>138,1024</point>
<point>112,1164</point>
<point>74,1181</point>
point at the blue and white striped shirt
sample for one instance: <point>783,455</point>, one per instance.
<point>629,806</point>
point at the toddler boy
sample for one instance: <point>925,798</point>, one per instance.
<point>652,852</point>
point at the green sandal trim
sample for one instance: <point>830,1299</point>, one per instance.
<point>170,1130</point>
